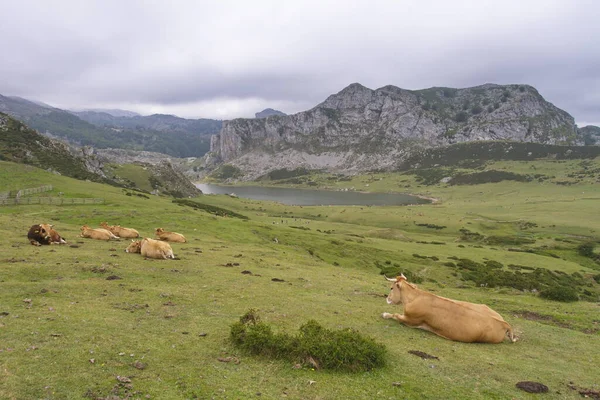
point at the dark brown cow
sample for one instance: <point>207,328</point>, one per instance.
<point>451,319</point>
<point>44,234</point>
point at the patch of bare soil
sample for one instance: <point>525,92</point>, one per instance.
<point>533,316</point>
<point>532,387</point>
<point>423,355</point>
<point>588,393</point>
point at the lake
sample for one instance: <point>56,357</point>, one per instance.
<point>311,197</point>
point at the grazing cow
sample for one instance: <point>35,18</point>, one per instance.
<point>151,248</point>
<point>44,234</point>
<point>119,231</point>
<point>450,319</point>
<point>161,234</point>
<point>98,233</point>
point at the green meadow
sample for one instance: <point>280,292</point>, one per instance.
<point>88,321</point>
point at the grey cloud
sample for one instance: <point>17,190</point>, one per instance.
<point>187,52</point>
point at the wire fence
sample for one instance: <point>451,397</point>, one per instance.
<point>51,200</point>
<point>16,197</point>
<point>24,192</point>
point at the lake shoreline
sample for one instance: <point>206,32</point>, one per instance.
<point>317,197</point>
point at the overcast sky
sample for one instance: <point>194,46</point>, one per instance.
<point>228,59</point>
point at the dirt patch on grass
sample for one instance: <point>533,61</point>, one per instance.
<point>423,355</point>
<point>550,320</point>
<point>532,387</point>
<point>587,393</point>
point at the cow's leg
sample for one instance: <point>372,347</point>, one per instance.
<point>34,242</point>
<point>397,317</point>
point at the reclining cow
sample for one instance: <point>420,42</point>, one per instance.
<point>120,231</point>
<point>151,248</point>
<point>44,234</point>
<point>450,319</point>
<point>98,233</point>
<point>161,234</point>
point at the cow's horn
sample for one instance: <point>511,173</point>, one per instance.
<point>390,279</point>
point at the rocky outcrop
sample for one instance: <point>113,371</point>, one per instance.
<point>268,112</point>
<point>360,129</point>
<point>122,156</point>
<point>590,134</point>
<point>168,180</point>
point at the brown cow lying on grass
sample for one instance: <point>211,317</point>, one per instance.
<point>43,234</point>
<point>161,234</point>
<point>450,319</point>
<point>98,233</point>
<point>119,231</point>
<point>151,248</point>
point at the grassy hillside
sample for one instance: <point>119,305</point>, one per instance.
<point>21,144</point>
<point>87,320</point>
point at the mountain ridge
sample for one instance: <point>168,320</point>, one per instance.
<point>174,136</point>
<point>360,129</point>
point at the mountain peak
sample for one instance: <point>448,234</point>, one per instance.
<point>267,112</point>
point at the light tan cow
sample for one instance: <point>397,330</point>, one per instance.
<point>151,248</point>
<point>161,234</point>
<point>98,233</point>
<point>450,319</point>
<point>120,231</point>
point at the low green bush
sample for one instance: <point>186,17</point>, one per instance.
<point>586,250</point>
<point>560,293</point>
<point>315,346</point>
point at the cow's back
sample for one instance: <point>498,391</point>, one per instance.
<point>457,320</point>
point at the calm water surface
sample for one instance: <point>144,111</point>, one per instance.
<point>311,197</point>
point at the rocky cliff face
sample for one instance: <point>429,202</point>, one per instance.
<point>360,129</point>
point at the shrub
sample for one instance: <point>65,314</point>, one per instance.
<point>476,110</point>
<point>227,171</point>
<point>285,173</point>
<point>586,250</point>
<point>460,116</point>
<point>432,226</point>
<point>343,350</point>
<point>560,293</point>
<point>508,240</point>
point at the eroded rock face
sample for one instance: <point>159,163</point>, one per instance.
<point>360,129</point>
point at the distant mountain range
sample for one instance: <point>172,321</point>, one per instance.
<point>111,111</point>
<point>355,130</point>
<point>360,129</point>
<point>174,136</point>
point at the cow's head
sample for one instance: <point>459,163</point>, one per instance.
<point>134,247</point>
<point>395,296</point>
<point>41,230</point>
<point>45,230</point>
